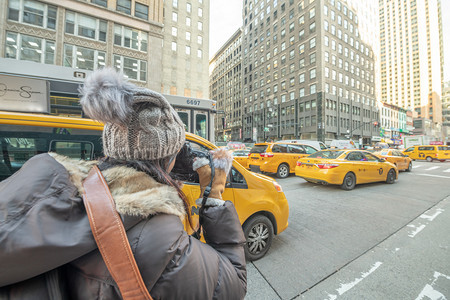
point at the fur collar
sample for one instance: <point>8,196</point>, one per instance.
<point>134,192</point>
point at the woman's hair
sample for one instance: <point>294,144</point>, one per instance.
<point>157,169</point>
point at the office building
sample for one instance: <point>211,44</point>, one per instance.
<point>226,88</point>
<point>185,55</point>
<point>48,39</point>
<point>411,56</point>
<point>307,72</point>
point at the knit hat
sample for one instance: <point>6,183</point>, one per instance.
<point>140,124</point>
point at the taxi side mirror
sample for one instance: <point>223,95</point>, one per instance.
<point>382,159</point>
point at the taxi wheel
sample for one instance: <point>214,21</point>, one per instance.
<point>258,232</point>
<point>409,168</point>
<point>429,159</point>
<point>283,171</point>
<point>390,176</point>
<point>349,182</point>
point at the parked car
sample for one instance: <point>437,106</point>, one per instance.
<point>279,158</point>
<point>400,160</point>
<point>346,168</point>
<point>429,152</point>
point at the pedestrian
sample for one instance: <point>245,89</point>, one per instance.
<point>47,249</point>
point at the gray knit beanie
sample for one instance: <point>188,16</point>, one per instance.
<point>140,124</point>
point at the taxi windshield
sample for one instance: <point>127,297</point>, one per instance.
<point>326,154</point>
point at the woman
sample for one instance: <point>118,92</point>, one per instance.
<point>46,246</point>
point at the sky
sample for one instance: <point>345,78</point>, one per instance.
<point>226,18</point>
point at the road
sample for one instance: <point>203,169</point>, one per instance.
<point>378,241</point>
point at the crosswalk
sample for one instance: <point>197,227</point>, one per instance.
<point>427,168</point>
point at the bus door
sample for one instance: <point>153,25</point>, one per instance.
<point>201,124</point>
<point>185,117</point>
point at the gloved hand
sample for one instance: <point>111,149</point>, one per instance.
<point>222,161</point>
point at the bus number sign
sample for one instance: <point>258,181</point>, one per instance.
<point>193,102</point>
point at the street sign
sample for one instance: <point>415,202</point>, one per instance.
<point>266,129</point>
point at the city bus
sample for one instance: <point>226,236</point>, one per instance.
<point>23,82</point>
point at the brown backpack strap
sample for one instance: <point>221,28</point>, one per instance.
<point>111,238</point>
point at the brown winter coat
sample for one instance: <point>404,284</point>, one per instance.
<point>47,250</point>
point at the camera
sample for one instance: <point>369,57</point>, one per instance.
<point>182,169</point>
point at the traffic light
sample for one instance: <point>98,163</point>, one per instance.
<point>375,124</point>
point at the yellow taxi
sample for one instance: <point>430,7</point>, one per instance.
<point>346,168</point>
<point>429,152</point>
<point>259,200</point>
<point>400,160</point>
<point>279,158</point>
<point>241,156</point>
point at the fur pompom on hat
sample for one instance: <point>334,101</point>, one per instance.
<point>140,124</point>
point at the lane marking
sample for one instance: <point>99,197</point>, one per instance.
<point>432,168</point>
<point>418,229</point>
<point>345,287</point>
<point>416,166</point>
<point>429,292</point>
<point>447,171</point>
<point>431,218</point>
<point>432,175</point>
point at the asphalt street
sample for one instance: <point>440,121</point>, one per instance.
<point>378,241</point>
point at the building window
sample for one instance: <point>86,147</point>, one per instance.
<point>141,11</point>
<point>200,40</point>
<point>188,21</point>
<point>174,46</point>
<point>132,68</point>
<point>132,38</point>
<point>312,12</point>
<point>200,12</point>
<point>188,35</point>
<point>25,47</point>
<point>301,78</point>
<point>33,13</point>
<point>124,6</point>
<point>199,53</point>
<point>312,73</point>
<point>103,3</point>
<point>200,26</point>
<point>174,31</point>
<point>85,26</point>
<point>175,3</point>
<point>301,92</point>
<point>312,43</point>
<point>312,89</point>
<point>83,58</point>
<point>174,17</point>
<point>188,7</point>
<point>188,50</point>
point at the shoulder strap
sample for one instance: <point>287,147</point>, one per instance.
<point>111,238</point>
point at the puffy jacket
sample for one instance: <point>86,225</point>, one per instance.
<point>47,250</point>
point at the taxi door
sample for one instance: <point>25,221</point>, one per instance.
<point>402,161</point>
<point>295,153</point>
<point>377,171</point>
<point>359,166</point>
<point>410,152</point>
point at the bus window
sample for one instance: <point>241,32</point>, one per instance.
<point>200,125</point>
<point>78,150</point>
<point>16,151</point>
<point>184,116</point>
